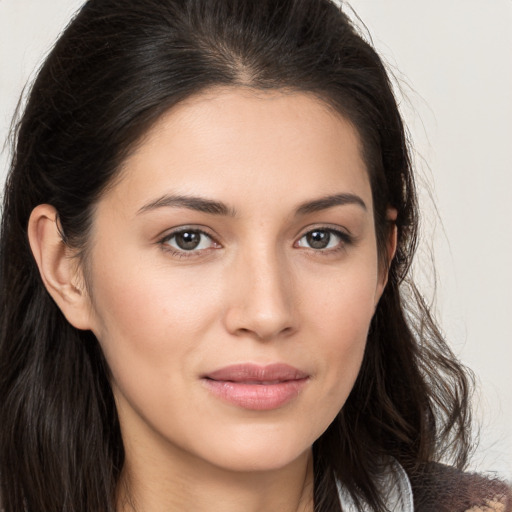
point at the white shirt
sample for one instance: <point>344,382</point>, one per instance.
<point>396,490</point>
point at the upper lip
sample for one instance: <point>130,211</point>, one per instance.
<point>272,373</point>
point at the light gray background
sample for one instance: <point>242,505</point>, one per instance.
<point>455,83</point>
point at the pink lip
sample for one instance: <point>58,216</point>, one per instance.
<point>255,387</point>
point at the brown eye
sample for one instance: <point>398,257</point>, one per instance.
<point>318,239</point>
<point>189,240</point>
<point>321,239</point>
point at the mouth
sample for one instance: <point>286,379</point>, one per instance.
<point>255,387</point>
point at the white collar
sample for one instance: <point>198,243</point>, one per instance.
<point>396,490</point>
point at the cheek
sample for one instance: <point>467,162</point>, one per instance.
<point>340,311</point>
<point>151,325</point>
<point>344,303</point>
<point>147,316</point>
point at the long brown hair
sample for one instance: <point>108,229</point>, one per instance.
<point>115,70</point>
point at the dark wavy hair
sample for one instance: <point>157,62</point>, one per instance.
<point>118,66</point>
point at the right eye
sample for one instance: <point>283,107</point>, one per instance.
<point>188,240</point>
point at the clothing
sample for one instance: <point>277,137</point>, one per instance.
<point>437,488</point>
<point>396,490</point>
<point>440,488</point>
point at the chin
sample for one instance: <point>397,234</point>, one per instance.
<point>259,451</point>
<point>260,462</point>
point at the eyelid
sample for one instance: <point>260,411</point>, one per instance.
<point>333,228</point>
<point>163,239</point>
<point>346,238</point>
<point>170,232</point>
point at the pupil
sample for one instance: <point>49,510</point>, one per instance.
<point>188,240</point>
<point>319,239</point>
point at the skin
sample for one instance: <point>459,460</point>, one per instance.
<point>254,291</point>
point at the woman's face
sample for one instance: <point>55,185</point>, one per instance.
<point>234,274</point>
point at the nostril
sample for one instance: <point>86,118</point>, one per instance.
<point>264,334</point>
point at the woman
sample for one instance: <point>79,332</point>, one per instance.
<point>206,234</point>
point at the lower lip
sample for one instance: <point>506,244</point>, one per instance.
<point>256,397</point>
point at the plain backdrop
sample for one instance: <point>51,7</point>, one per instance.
<point>452,60</point>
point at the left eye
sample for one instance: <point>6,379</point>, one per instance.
<point>321,239</point>
<point>189,240</point>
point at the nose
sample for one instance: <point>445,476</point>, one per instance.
<point>262,301</point>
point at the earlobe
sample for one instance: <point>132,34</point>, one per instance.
<point>59,270</point>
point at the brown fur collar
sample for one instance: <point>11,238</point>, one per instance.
<point>440,488</point>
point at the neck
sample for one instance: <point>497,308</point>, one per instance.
<point>193,485</point>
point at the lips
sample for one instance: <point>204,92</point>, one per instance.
<point>255,387</point>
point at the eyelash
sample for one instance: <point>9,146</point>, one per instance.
<point>344,240</point>
<point>182,253</point>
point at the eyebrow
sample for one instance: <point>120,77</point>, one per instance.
<point>212,207</point>
<point>327,202</point>
<point>200,204</point>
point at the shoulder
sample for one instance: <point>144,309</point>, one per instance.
<point>440,488</point>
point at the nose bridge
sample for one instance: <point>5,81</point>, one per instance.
<point>262,300</point>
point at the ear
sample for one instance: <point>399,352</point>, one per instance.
<point>59,270</point>
<point>391,245</point>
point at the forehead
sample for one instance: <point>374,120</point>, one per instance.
<point>239,144</point>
